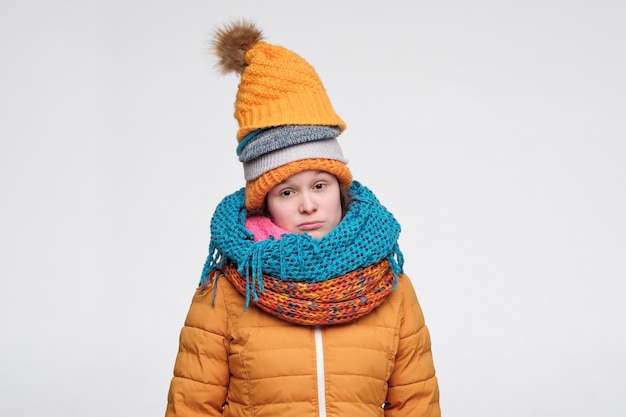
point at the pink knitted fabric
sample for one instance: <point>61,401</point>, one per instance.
<point>263,228</point>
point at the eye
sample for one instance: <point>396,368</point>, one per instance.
<point>319,186</point>
<point>286,193</point>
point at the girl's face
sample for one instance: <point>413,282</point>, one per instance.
<point>307,202</point>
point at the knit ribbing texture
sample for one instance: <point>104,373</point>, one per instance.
<point>263,141</point>
<point>335,301</point>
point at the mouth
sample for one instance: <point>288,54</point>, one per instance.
<point>310,226</point>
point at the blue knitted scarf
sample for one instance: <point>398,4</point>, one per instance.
<point>367,234</point>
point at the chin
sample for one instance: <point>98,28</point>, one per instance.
<point>318,235</point>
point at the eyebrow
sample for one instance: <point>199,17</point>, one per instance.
<point>317,172</point>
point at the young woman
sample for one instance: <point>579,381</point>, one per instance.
<point>303,308</point>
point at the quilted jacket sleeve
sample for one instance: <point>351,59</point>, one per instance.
<point>201,373</point>
<point>413,387</point>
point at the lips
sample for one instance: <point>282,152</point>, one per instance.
<point>310,225</point>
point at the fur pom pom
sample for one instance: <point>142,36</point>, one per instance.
<point>231,42</point>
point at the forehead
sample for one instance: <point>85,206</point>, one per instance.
<point>308,175</point>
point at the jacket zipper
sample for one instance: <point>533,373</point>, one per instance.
<point>319,360</point>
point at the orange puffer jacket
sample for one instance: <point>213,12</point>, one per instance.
<point>233,362</point>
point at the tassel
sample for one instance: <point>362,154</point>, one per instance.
<point>211,262</point>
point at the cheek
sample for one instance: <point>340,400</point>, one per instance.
<point>339,213</point>
<point>280,214</point>
<point>335,208</point>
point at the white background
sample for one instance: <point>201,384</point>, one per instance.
<point>495,131</point>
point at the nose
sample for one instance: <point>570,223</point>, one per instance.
<point>307,203</point>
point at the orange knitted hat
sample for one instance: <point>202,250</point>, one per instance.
<point>286,121</point>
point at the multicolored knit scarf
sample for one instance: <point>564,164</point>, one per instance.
<point>335,301</point>
<point>367,235</point>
